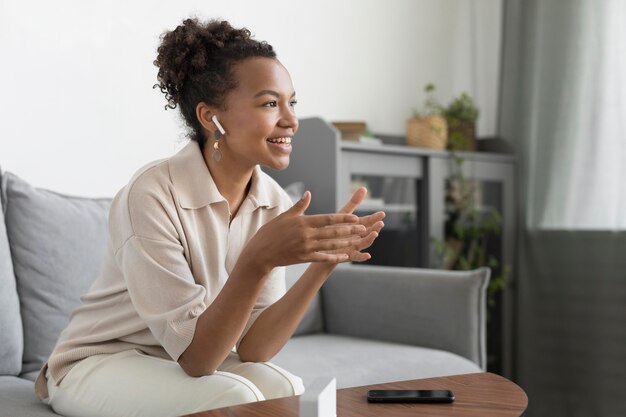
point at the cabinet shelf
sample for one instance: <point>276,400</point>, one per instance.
<point>409,184</point>
<point>388,208</point>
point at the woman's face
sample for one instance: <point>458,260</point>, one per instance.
<point>259,119</point>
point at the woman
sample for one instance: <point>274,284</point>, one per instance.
<point>190,304</point>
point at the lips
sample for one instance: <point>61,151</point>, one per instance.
<point>285,140</point>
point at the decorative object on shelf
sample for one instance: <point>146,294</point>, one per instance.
<point>351,130</point>
<point>461,115</point>
<point>468,227</point>
<point>428,128</point>
<point>369,139</point>
<point>356,132</point>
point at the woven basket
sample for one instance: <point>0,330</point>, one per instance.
<point>427,132</point>
<point>463,135</point>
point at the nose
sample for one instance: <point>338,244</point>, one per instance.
<point>288,120</point>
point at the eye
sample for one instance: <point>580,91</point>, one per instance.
<point>270,104</point>
<point>293,103</point>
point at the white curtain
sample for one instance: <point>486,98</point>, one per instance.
<point>563,107</point>
<point>575,113</point>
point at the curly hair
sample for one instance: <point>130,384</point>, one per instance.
<point>195,63</point>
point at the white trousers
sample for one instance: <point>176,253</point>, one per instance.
<point>131,383</point>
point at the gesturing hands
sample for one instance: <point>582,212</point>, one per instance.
<point>372,223</point>
<point>293,237</point>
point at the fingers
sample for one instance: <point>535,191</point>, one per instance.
<point>364,243</point>
<point>354,251</point>
<point>329,257</point>
<point>348,232</point>
<point>370,219</point>
<point>342,231</point>
<point>360,256</point>
<point>333,245</point>
<point>367,241</point>
<point>333,238</point>
<point>320,220</point>
<point>376,227</point>
<point>300,206</point>
<point>355,200</point>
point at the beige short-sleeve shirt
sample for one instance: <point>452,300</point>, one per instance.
<point>172,246</point>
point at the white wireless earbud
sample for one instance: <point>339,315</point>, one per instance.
<point>219,126</point>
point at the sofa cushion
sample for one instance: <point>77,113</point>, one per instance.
<point>31,376</point>
<point>17,399</point>
<point>355,361</point>
<point>312,322</point>
<point>11,338</point>
<point>420,307</point>
<point>57,243</point>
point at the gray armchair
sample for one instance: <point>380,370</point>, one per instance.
<point>373,324</point>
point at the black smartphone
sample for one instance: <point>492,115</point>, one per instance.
<point>410,396</point>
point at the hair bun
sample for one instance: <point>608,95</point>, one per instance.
<point>191,49</point>
<point>195,64</point>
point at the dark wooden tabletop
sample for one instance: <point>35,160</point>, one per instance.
<point>480,394</point>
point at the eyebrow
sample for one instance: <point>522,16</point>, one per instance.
<point>271,93</point>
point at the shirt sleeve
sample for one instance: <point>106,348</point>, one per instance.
<point>152,259</point>
<point>162,290</point>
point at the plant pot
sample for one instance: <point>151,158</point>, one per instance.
<point>462,135</point>
<point>427,132</point>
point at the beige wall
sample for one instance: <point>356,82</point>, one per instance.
<point>79,114</point>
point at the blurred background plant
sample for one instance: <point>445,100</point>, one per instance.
<point>461,115</point>
<point>469,230</point>
<point>431,106</point>
<point>470,227</point>
<point>427,128</point>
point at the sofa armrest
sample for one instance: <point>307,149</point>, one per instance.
<point>422,307</point>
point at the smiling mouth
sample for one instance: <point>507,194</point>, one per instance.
<point>286,140</point>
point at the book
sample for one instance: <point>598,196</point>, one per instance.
<point>370,140</point>
<point>351,130</point>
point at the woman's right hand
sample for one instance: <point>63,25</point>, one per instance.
<point>293,237</point>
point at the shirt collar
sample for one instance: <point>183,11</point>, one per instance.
<point>195,186</point>
<point>264,192</point>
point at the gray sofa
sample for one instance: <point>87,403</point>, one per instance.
<point>369,324</point>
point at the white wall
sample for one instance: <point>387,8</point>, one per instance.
<point>78,113</point>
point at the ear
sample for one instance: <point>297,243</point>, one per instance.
<point>204,112</point>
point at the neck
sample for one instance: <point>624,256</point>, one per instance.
<point>231,178</point>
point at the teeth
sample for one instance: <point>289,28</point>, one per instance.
<point>280,140</point>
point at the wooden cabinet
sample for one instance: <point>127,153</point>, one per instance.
<point>409,184</point>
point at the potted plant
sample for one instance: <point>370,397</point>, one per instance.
<point>468,229</point>
<point>428,127</point>
<point>461,115</point>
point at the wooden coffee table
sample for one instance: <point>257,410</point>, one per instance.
<point>480,394</point>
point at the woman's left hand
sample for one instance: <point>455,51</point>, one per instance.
<point>373,224</point>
